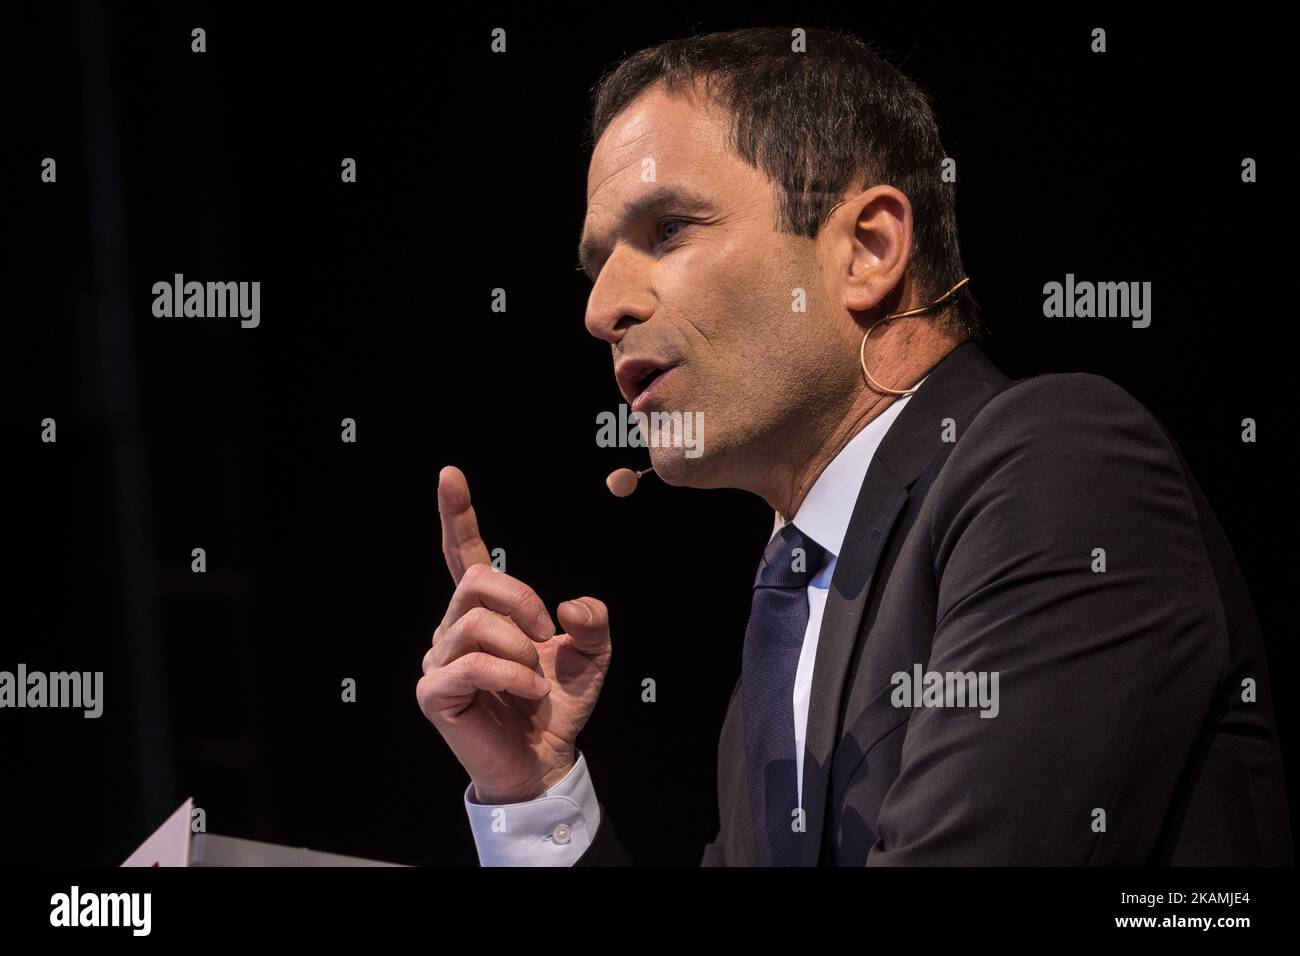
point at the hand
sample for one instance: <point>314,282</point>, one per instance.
<point>507,693</point>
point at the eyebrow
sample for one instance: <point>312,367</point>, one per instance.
<point>591,249</point>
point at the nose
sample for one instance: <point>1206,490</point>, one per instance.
<point>620,299</point>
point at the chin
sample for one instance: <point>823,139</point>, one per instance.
<point>673,467</point>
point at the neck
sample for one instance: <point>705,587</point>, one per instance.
<point>793,476</point>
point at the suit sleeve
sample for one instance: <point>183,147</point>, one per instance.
<point>606,849</point>
<point>1072,579</point>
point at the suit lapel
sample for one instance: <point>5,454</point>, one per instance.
<point>957,387</point>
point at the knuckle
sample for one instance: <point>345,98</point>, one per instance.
<point>474,665</point>
<point>425,693</point>
<point>474,575</point>
<point>521,595</point>
<point>478,620</point>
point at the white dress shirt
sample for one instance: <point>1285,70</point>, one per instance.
<point>557,827</point>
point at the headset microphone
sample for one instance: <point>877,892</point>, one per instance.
<point>622,483</point>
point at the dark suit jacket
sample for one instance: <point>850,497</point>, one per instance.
<point>1125,733</point>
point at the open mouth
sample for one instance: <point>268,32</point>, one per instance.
<point>650,376</point>
<point>640,377</point>
<point>647,386</point>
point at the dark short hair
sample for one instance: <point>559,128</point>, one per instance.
<point>816,123</point>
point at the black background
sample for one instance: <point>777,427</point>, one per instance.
<point>323,557</point>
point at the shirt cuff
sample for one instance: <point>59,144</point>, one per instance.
<point>554,829</point>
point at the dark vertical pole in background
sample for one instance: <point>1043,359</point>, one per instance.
<point>109,380</point>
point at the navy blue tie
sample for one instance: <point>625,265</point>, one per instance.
<point>778,618</point>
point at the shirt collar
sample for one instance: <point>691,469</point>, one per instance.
<point>827,509</point>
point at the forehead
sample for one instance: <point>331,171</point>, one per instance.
<point>682,135</point>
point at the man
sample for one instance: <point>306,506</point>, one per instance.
<point>996,623</point>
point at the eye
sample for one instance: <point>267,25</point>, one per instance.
<point>665,232</point>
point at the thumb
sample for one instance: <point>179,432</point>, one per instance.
<point>586,620</point>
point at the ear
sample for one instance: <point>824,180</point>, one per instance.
<point>870,245</point>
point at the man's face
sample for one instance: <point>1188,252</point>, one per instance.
<point>691,275</point>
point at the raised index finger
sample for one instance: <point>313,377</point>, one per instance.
<point>461,544</point>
